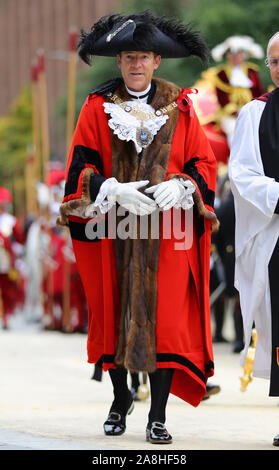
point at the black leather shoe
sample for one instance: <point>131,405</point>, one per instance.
<point>276,441</point>
<point>238,346</point>
<point>115,425</point>
<point>158,434</point>
<point>211,390</point>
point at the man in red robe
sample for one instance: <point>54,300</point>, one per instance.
<point>139,157</point>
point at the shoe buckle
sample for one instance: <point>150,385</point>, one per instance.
<point>158,425</point>
<point>114,417</point>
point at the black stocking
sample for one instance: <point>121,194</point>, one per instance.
<point>120,390</point>
<point>135,383</point>
<point>160,383</point>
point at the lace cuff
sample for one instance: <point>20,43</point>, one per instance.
<point>102,202</point>
<point>186,201</point>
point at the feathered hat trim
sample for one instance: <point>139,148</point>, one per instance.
<point>141,32</point>
<point>236,44</point>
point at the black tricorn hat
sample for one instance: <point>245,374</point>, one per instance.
<point>141,32</point>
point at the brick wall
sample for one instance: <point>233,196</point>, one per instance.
<point>26,26</point>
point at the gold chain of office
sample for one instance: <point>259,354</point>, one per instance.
<point>138,113</point>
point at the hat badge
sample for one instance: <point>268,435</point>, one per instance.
<point>112,35</point>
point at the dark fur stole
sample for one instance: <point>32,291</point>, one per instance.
<point>137,259</point>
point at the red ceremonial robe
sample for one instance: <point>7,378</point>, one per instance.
<point>183,330</point>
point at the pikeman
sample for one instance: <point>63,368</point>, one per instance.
<point>63,282</point>
<point>139,151</point>
<point>7,280</point>
<point>11,245</point>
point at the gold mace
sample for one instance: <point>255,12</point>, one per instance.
<point>143,391</point>
<point>249,362</point>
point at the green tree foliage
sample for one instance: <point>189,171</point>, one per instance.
<point>219,19</point>
<point>15,137</point>
<point>105,68</point>
<point>215,19</point>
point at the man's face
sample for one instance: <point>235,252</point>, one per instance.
<point>273,54</point>
<point>137,68</point>
<point>236,58</point>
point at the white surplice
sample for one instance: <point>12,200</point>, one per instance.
<point>257,231</point>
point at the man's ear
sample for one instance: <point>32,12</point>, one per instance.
<point>118,60</point>
<point>157,61</point>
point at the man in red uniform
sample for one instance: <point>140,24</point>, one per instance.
<point>11,241</point>
<point>237,81</point>
<point>138,149</point>
<point>65,291</point>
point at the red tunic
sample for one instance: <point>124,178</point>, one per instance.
<point>256,89</point>
<point>183,331</point>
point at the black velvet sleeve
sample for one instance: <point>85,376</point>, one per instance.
<point>83,157</point>
<point>190,169</point>
<point>96,182</point>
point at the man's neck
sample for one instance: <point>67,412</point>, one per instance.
<point>139,94</point>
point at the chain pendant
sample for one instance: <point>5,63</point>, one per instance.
<point>144,137</point>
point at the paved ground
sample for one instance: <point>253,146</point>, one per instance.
<point>49,402</point>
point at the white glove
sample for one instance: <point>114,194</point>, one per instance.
<point>128,196</point>
<point>167,193</point>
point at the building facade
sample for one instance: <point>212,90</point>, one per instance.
<point>29,25</point>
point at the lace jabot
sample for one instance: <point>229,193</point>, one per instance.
<point>125,126</point>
